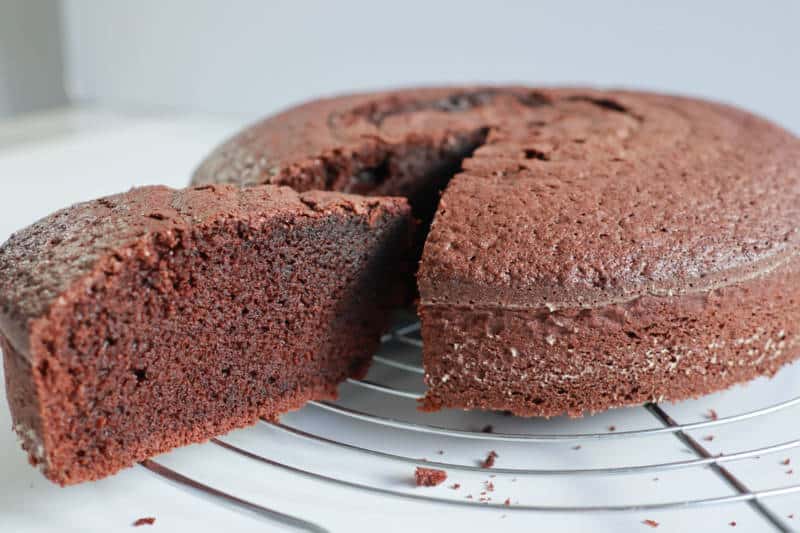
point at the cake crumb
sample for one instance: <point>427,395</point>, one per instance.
<point>488,428</point>
<point>576,447</point>
<point>786,462</point>
<point>490,486</point>
<point>790,471</point>
<point>712,414</point>
<point>489,461</point>
<point>455,486</point>
<point>145,521</point>
<point>732,523</point>
<point>507,502</point>
<point>708,438</point>
<point>429,477</point>
<point>651,523</point>
<point>440,452</point>
<point>612,428</point>
<point>790,516</point>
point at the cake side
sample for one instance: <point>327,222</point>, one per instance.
<point>229,306</point>
<point>663,214</point>
<point>577,361</point>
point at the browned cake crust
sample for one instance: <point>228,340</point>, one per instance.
<point>157,318</point>
<point>599,249</point>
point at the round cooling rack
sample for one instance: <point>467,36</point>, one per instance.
<point>733,447</point>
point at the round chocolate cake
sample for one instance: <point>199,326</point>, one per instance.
<point>597,249</point>
<point>578,250</point>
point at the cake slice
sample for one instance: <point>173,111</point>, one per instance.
<point>156,318</point>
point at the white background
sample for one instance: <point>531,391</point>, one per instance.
<point>253,56</point>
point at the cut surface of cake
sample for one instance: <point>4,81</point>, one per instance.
<point>157,318</point>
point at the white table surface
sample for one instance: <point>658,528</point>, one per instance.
<point>53,159</point>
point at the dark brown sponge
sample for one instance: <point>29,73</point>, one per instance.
<point>157,318</point>
<point>598,248</point>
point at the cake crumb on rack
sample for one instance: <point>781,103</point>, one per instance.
<point>488,428</point>
<point>144,521</point>
<point>712,414</point>
<point>708,438</point>
<point>455,486</point>
<point>489,461</point>
<point>786,462</point>
<point>429,477</point>
<point>651,523</point>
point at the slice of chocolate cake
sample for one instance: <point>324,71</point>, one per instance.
<point>157,318</point>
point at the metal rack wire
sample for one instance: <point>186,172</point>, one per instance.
<point>407,333</point>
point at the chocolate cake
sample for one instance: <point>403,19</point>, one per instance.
<point>157,318</point>
<point>597,249</point>
<point>591,249</point>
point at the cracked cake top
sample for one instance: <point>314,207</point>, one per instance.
<point>573,197</point>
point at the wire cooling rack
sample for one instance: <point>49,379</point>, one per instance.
<point>376,423</point>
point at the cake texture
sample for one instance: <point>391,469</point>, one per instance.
<point>156,318</point>
<point>596,249</point>
<point>591,249</point>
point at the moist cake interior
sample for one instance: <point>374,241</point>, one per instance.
<point>195,331</point>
